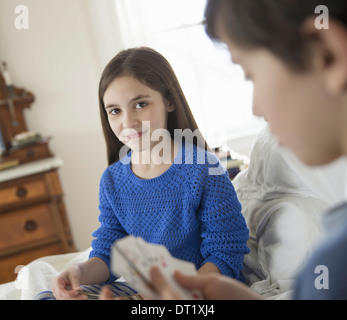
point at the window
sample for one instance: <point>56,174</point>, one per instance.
<point>218,95</point>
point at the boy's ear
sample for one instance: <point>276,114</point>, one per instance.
<point>329,53</point>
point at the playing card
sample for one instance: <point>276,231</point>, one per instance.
<point>128,262</point>
<point>148,251</point>
<point>133,259</point>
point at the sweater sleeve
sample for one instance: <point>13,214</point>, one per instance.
<point>110,229</point>
<point>224,231</point>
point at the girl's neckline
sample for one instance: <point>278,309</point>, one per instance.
<point>161,178</point>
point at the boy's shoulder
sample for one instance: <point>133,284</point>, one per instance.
<point>323,276</point>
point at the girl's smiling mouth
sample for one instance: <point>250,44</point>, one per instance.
<point>134,134</point>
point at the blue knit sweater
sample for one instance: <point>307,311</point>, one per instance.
<point>194,213</point>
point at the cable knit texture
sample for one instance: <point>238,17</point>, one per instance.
<point>196,215</point>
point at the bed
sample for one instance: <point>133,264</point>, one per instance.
<point>282,202</point>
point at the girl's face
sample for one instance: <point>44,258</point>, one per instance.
<point>134,111</point>
<point>297,106</point>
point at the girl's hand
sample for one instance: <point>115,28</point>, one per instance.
<point>106,294</point>
<point>212,286</point>
<point>67,285</point>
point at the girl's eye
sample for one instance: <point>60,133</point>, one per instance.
<point>141,105</point>
<point>114,111</point>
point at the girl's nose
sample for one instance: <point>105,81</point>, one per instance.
<point>129,120</point>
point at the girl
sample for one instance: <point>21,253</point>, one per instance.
<point>159,190</point>
<point>299,72</point>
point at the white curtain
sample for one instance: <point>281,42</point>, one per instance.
<point>105,29</point>
<point>131,18</point>
<point>115,25</point>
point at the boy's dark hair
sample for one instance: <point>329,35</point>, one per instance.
<point>272,24</point>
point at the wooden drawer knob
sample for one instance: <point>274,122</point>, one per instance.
<point>21,192</point>
<point>30,225</point>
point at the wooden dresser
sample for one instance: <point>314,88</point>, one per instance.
<point>33,220</point>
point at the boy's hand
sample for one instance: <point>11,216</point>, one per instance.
<point>211,285</point>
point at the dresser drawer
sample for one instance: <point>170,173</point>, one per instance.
<point>22,227</point>
<point>23,192</point>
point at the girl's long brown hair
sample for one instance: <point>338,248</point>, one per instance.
<point>152,69</point>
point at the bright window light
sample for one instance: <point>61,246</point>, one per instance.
<point>219,96</point>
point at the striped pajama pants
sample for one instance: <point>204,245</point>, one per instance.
<point>119,289</point>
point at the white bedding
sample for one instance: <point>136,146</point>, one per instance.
<point>38,275</point>
<point>282,201</point>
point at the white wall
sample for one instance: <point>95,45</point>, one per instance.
<point>60,59</point>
